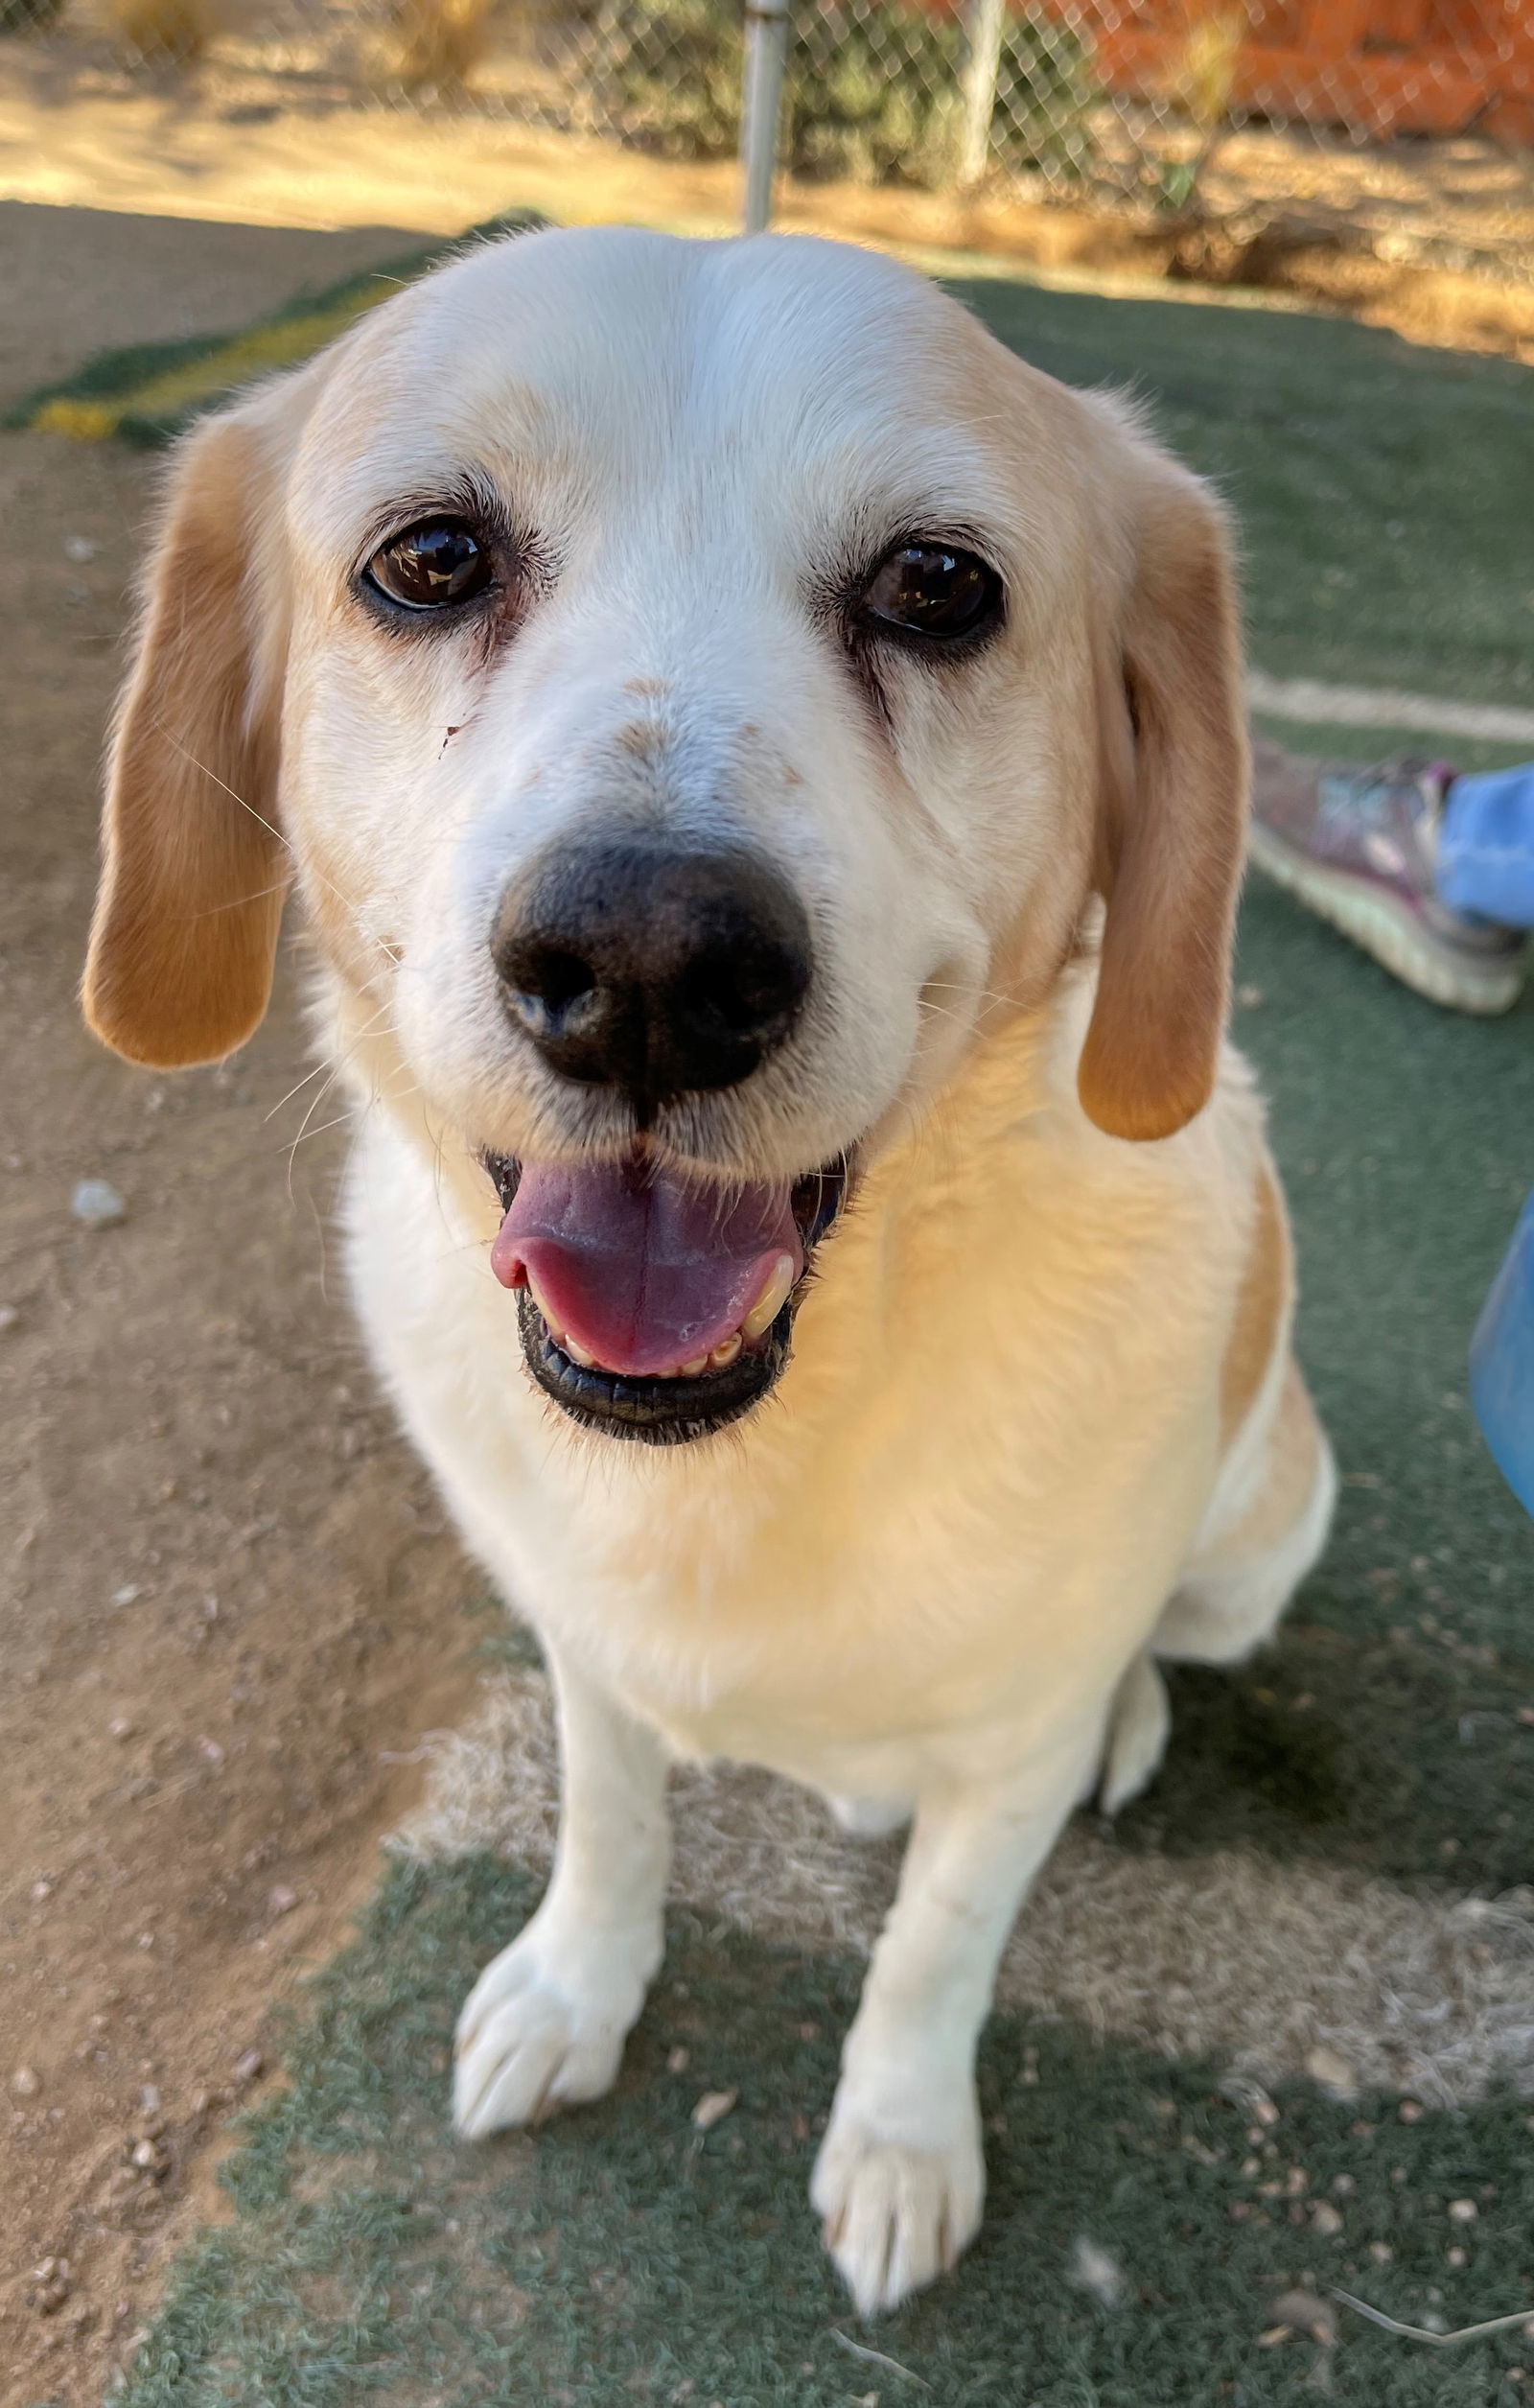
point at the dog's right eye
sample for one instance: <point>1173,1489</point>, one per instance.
<point>437,562</point>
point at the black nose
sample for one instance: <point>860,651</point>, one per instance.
<point>655,970</point>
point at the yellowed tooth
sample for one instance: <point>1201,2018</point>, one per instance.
<point>694,1370</point>
<point>725,1351</point>
<point>770,1302</point>
<point>532,1289</point>
<point>579,1354</point>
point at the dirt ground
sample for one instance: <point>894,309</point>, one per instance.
<point>229,1607</point>
<point>1433,241</point>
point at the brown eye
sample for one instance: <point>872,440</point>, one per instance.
<point>932,590</point>
<point>439,561</point>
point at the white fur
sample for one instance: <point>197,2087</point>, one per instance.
<point>929,1574</point>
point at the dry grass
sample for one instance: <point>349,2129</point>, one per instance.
<point>439,43</point>
<point>1281,1968</point>
<point>162,33</point>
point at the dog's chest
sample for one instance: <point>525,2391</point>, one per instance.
<point>962,1511</point>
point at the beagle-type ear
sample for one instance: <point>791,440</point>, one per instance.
<point>1173,815</point>
<point>194,867</point>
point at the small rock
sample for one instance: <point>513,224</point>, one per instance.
<point>1462,2212</point>
<point>281,1900</point>
<point>1093,2269</point>
<point>1380,2252</point>
<point>712,2108</point>
<point>51,2285</point>
<point>1332,2070</point>
<point>1457,2257</point>
<point>9,1317</point>
<point>249,2067</point>
<point>1325,2219</point>
<point>81,548</point>
<point>211,1750</point>
<point>96,1203</point>
<point>120,1727</point>
<point>41,1890</point>
<point>128,1595</point>
<point>150,2157</point>
<point>1410,2111</point>
<point>24,2083</point>
<point>676,2061</point>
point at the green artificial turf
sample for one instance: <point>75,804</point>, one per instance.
<point>621,2256</point>
<point>1384,491</point>
<point>1324,741</point>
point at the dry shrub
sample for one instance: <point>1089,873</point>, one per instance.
<point>162,33</point>
<point>1203,71</point>
<point>440,42</point>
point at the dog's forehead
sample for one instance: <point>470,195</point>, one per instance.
<point>614,353</point>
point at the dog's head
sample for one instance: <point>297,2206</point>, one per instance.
<point>698,688</point>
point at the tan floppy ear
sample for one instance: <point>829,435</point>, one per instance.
<point>193,871</point>
<point>1172,826</point>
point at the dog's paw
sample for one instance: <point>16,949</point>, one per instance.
<point>896,2214</point>
<point>544,2028</point>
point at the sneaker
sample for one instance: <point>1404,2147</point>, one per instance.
<point>1361,848</point>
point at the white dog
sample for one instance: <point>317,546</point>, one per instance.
<point>765,773</point>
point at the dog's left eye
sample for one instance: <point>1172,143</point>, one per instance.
<point>932,590</point>
<point>437,562</point>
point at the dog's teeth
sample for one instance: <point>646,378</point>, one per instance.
<point>770,1302</point>
<point>695,1368</point>
<point>725,1351</point>
<point>532,1289</point>
<point>577,1354</point>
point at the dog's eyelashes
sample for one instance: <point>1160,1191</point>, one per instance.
<point>932,590</point>
<point>431,565</point>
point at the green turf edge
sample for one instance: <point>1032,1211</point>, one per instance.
<point>1324,740</point>
<point>617,2255</point>
<point>110,375</point>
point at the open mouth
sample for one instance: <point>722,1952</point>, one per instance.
<point>653,1306</point>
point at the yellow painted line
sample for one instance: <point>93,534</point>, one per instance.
<point>235,362</point>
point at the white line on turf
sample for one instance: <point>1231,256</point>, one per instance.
<point>1309,698</point>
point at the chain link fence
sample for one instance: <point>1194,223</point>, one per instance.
<point>1178,107</point>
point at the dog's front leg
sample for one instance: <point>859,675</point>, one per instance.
<point>546,2023</point>
<point>900,2178</point>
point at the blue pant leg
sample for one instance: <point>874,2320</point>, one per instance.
<point>1486,847</point>
<point>1501,1365</point>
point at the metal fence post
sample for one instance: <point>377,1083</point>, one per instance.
<point>986,24</point>
<point>766,50</point>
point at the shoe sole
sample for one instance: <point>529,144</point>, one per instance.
<point>1388,930</point>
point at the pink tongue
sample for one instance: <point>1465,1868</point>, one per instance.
<point>642,1270</point>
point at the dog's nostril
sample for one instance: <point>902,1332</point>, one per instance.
<point>547,976</point>
<point>660,972</point>
<point>744,995</point>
